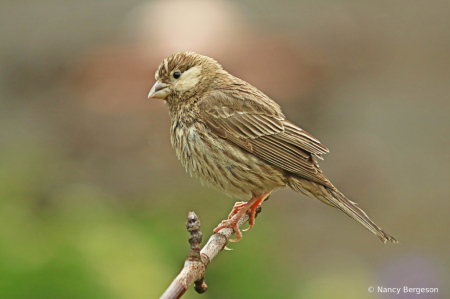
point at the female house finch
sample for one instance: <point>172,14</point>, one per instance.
<point>233,137</point>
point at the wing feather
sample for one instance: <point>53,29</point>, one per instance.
<point>265,133</point>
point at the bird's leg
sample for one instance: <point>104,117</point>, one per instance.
<point>253,208</point>
<point>239,209</point>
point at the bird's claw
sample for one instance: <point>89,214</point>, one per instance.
<point>237,207</point>
<point>236,214</point>
<point>230,223</point>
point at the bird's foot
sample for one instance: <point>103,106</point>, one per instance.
<point>239,209</point>
<point>253,207</point>
<point>233,224</point>
<point>233,219</point>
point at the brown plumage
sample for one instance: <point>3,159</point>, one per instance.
<point>233,137</point>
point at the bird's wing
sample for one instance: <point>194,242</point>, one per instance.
<point>263,131</point>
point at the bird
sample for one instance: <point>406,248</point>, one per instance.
<point>233,137</point>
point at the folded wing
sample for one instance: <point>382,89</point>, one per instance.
<point>263,131</point>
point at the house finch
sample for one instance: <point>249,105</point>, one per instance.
<point>233,137</point>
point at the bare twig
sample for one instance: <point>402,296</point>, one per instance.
<point>197,261</point>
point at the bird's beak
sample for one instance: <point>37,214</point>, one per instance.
<point>159,91</point>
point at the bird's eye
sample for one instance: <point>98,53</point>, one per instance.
<point>176,75</point>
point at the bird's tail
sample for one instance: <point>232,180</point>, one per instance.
<point>331,196</point>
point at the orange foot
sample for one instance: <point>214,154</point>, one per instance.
<point>239,209</point>
<point>230,223</point>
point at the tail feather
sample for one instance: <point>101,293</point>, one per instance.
<point>351,209</point>
<point>331,196</point>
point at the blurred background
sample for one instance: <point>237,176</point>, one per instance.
<point>93,201</point>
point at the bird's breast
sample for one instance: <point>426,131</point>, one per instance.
<point>220,164</point>
<point>195,148</point>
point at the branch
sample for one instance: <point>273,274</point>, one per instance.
<point>197,261</point>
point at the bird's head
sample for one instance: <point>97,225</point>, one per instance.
<point>182,75</point>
